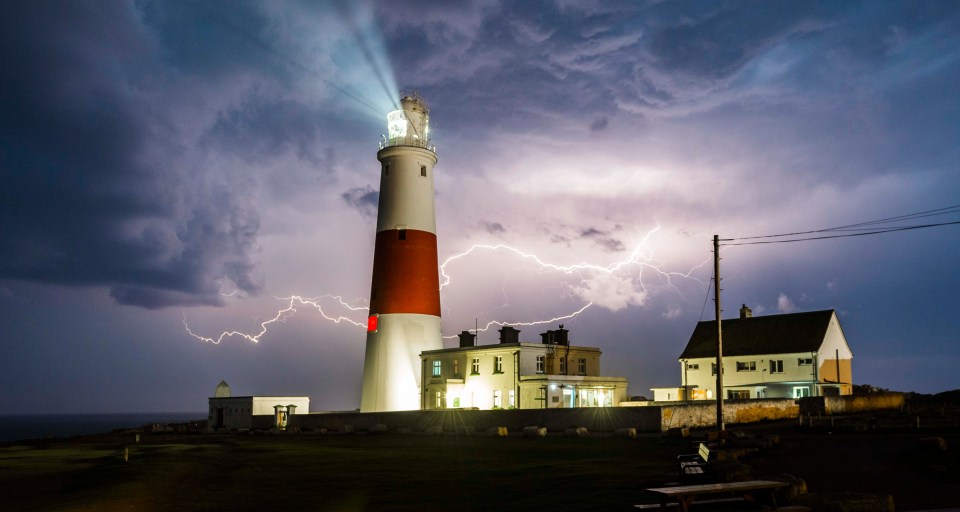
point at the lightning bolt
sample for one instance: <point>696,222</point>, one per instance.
<point>636,257</point>
<point>293,302</point>
<point>537,322</point>
<point>639,257</point>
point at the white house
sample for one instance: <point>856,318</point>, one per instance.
<point>237,412</point>
<point>776,356</point>
<point>517,375</point>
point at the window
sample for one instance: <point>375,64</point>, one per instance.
<point>776,366</point>
<point>401,234</point>
<point>513,398</point>
<point>746,366</point>
<point>563,366</point>
<point>439,400</point>
<point>800,392</point>
<point>386,169</point>
<point>436,368</point>
<point>475,366</point>
<point>582,366</point>
<point>539,364</point>
<point>497,399</point>
<point>713,369</point>
<point>456,401</point>
<point>423,171</point>
<point>456,367</point>
<point>498,364</point>
<point>805,361</point>
<point>693,366</point>
<point>738,394</point>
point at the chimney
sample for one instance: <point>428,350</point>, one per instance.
<point>509,334</point>
<point>746,312</point>
<point>557,337</point>
<point>467,339</point>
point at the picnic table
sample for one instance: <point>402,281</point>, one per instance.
<point>685,495</point>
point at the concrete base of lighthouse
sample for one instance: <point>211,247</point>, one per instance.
<point>391,368</point>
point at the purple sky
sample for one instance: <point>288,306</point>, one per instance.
<point>168,161</point>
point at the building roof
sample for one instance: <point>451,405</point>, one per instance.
<point>773,334</point>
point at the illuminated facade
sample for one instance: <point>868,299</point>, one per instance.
<point>405,291</point>
<point>775,356</point>
<point>517,375</point>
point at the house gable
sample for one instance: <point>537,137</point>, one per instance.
<point>774,334</point>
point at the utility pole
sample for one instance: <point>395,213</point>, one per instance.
<point>716,300</point>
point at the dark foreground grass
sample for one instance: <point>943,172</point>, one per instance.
<point>388,472</point>
<point>336,472</point>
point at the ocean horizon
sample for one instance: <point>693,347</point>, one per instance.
<point>20,427</point>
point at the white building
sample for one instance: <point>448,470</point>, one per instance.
<point>776,356</point>
<point>517,375</point>
<point>237,412</point>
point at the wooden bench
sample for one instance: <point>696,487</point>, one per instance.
<point>686,495</point>
<point>694,464</point>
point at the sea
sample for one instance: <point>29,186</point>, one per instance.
<point>37,426</point>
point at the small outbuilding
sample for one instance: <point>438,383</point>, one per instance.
<point>237,412</point>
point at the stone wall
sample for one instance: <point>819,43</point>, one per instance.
<point>704,413</point>
<point>833,405</point>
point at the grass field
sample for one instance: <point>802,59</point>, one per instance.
<point>386,472</point>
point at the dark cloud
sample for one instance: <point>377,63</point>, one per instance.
<point>603,239</point>
<point>96,190</point>
<point>363,199</point>
<point>599,125</point>
<point>494,228</point>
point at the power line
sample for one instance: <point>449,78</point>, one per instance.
<point>859,225</point>
<point>886,230</point>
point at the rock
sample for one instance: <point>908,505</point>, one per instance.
<point>534,431</point>
<point>625,432</point>
<point>576,432</point>
<point>796,487</point>
<point>379,428</point>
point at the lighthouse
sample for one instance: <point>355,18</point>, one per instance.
<point>405,293</point>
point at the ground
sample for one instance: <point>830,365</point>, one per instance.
<point>313,471</point>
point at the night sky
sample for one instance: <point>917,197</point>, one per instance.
<point>171,163</point>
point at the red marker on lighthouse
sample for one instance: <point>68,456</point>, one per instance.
<point>405,295</point>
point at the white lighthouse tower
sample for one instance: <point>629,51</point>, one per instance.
<point>405,295</point>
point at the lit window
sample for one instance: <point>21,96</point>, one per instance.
<point>439,400</point>
<point>498,364</point>
<point>539,364</point>
<point>497,399</point>
<point>746,366</point>
<point>436,368</point>
<point>475,366</point>
<point>582,366</point>
<point>776,366</point>
<point>513,398</point>
<point>738,394</point>
<point>805,361</point>
<point>456,367</point>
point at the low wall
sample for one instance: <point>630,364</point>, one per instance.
<point>607,419</point>
<point>696,414</point>
<point>850,404</point>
